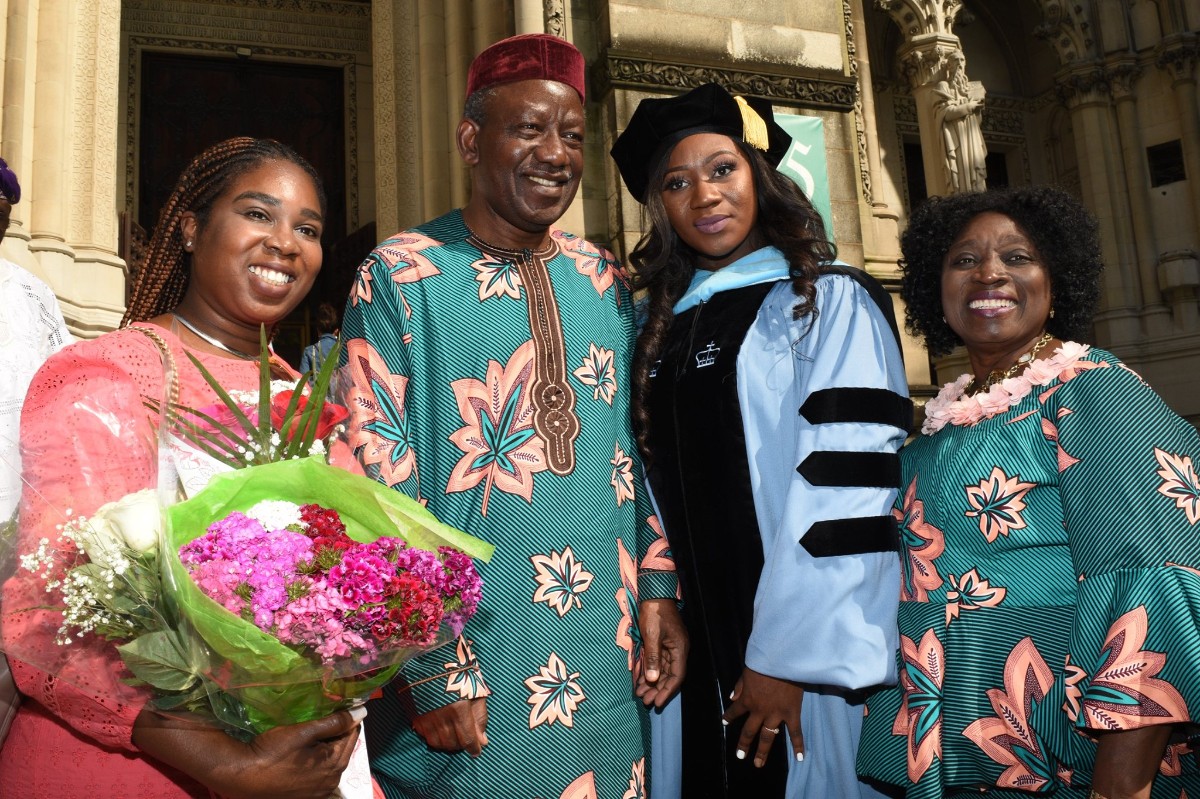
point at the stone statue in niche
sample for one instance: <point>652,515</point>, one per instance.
<point>958,111</point>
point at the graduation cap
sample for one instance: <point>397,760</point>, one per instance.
<point>659,124</point>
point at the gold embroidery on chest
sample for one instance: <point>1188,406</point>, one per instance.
<point>554,417</point>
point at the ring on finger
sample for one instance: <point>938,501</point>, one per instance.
<point>772,730</point>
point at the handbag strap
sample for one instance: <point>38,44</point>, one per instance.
<point>169,362</point>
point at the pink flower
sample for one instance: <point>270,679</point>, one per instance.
<point>327,595</point>
<point>997,399</point>
<point>463,588</point>
<point>950,406</point>
<point>361,577</point>
<point>1072,351</point>
<point>1041,371</point>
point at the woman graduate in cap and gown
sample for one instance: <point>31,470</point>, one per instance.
<point>770,400</point>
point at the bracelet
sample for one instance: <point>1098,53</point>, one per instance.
<point>1094,794</point>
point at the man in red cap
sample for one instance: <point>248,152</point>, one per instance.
<point>488,369</point>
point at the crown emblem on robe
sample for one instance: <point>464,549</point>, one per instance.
<point>708,355</point>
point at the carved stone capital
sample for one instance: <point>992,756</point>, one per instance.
<point>1177,55</point>
<point>1068,29</point>
<point>1086,84</point>
<point>1122,75</point>
<point>924,60</point>
<point>805,90</point>
<point>921,17</point>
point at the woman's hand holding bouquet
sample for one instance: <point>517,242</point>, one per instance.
<point>282,590</point>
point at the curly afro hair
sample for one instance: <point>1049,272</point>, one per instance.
<point>1063,231</point>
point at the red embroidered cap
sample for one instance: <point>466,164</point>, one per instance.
<point>530,56</point>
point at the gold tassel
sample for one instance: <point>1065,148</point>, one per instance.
<point>754,129</point>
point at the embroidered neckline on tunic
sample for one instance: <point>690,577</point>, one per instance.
<point>952,406</point>
<point>545,253</point>
<point>553,398</point>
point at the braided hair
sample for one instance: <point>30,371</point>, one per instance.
<point>163,279</point>
<point>664,264</point>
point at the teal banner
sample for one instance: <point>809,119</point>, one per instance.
<point>805,162</point>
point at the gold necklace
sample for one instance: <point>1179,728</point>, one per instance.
<point>996,376</point>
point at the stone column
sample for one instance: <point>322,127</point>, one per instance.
<point>1177,55</point>
<point>922,65</point>
<point>881,236</point>
<point>397,157</point>
<point>879,207</point>
<point>1179,272</point>
<point>16,123</point>
<point>47,178</point>
<point>429,101</point>
<point>933,61</point>
<point>1084,90</point>
<point>421,52</point>
<point>459,52</point>
<point>72,177</point>
<point>96,287</point>
<point>1122,75</point>
<point>541,16</point>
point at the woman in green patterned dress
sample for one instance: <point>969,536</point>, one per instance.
<point>1050,528</point>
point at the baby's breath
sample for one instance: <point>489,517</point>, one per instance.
<point>87,590</point>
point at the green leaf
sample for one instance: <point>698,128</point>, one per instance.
<point>284,450</point>
<point>221,436</point>
<point>310,417</point>
<point>264,390</point>
<point>157,660</point>
<point>238,413</point>
<point>1114,696</point>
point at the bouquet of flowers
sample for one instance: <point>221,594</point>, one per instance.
<point>281,590</point>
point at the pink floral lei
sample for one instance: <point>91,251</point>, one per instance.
<point>951,407</point>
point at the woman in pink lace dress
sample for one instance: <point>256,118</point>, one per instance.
<point>237,246</point>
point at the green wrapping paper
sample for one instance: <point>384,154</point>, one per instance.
<point>255,682</point>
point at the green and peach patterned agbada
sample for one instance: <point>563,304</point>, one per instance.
<point>1051,588</point>
<point>493,385</point>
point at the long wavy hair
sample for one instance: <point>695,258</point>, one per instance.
<point>664,264</point>
<point>163,279</point>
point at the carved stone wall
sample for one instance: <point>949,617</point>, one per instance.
<point>632,70</point>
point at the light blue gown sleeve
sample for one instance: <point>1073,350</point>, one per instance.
<point>823,402</point>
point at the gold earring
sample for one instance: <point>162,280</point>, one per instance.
<point>1051,313</point>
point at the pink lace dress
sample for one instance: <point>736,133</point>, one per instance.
<point>87,439</point>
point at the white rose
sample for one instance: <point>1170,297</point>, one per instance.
<point>132,522</point>
<point>100,541</point>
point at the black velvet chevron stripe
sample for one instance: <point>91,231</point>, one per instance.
<point>859,469</point>
<point>851,536</point>
<point>863,405</point>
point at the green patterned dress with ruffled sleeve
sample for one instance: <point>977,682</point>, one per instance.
<point>1050,542</point>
